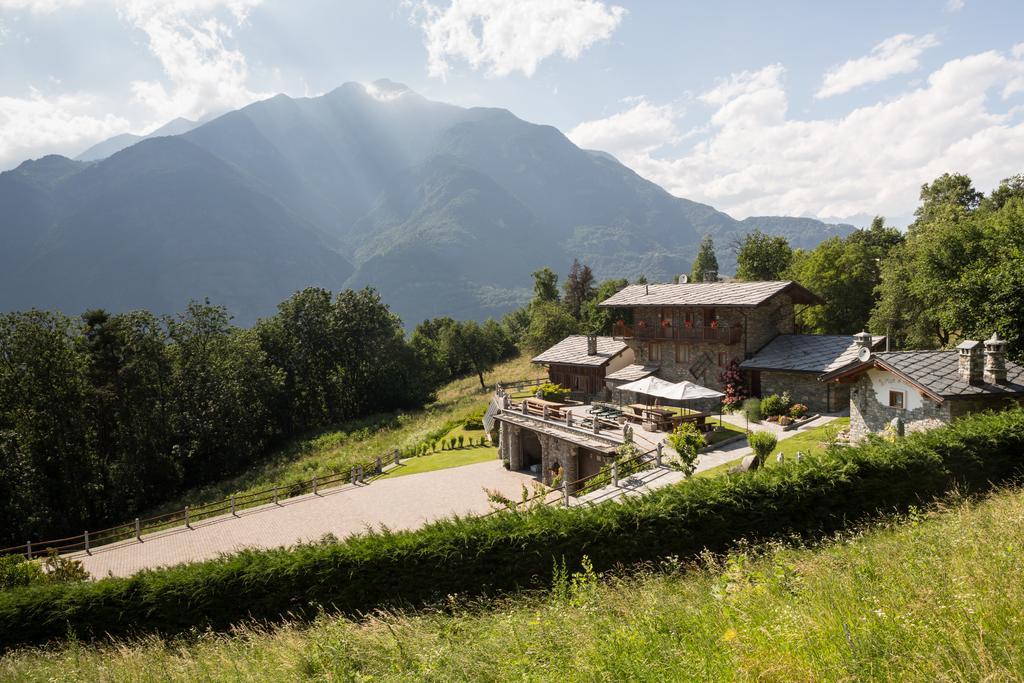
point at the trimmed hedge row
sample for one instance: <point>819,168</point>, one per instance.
<point>512,550</point>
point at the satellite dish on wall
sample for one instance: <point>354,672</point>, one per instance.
<point>683,279</point>
<point>864,355</point>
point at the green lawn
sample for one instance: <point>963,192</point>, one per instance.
<point>809,442</point>
<point>443,460</point>
<point>935,596</point>
<point>727,431</point>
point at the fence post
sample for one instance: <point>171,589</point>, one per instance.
<point>565,492</point>
<point>615,474</point>
<point>28,546</point>
<point>380,466</point>
<point>362,474</point>
<point>138,530</point>
<point>86,536</point>
<point>657,457</point>
<point>352,475</point>
<point>275,495</point>
<point>314,486</point>
<point>187,525</point>
<point>398,457</point>
<point>232,504</point>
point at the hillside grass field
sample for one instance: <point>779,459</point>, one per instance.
<point>359,441</point>
<point>929,596</point>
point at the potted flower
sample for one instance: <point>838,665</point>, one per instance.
<point>642,324</point>
<point>666,323</point>
<point>714,324</point>
<point>688,324</point>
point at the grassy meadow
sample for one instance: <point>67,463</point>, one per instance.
<point>341,447</point>
<point>931,596</point>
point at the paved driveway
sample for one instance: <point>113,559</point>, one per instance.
<point>401,503</point>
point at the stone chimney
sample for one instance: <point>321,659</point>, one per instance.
<point>995,360</point>
<point>709,275</point>
<point>863,340</point>
<point>971,362</point>
<point>591,344</point>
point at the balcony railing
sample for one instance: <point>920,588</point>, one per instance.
<point>695,334</point>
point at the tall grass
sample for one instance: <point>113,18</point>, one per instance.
<point>929,596</point>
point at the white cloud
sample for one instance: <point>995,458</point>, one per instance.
<point>955,5</point>
<point>204,74</point>
<point>503,37</point>
<point>756,160</point>
<point>37,124</point>
<point>641,129</point>
<point>893,56</point>
<point>201,75</point>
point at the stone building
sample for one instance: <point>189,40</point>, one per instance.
<point>925,389</point>
<point>572,452</point>
<point>793,362</point>
<point>693,331</point>
<point>581,362</point>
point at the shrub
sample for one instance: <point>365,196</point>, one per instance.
<point>510,550</point>
<point>17,572</point>
<point>474,421</point>
<point>752,409</point>
<point>461,440</point>
<point>763,444</point>
<point>773,406</point>
<point>553,392</point>
<point>797,410</point>
<point>785,420</point>
<point>687,440</point>
<point>451,443</point>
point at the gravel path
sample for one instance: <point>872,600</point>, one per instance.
<point>401,503</point>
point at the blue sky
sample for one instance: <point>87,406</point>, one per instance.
<point>830,109</point>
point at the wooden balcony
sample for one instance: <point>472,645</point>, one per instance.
<point>696,334</point>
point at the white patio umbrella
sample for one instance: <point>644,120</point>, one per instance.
<point>673,391</point>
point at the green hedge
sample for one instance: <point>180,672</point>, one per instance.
<point>511,550</point>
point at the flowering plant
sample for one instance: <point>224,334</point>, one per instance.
<point>666,323</point>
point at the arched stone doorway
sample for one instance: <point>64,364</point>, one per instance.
<point>532,452</point>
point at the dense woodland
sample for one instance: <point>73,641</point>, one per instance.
<point>106,415</point>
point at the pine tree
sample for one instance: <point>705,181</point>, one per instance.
<point>706,263</point>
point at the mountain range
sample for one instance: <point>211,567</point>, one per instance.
<point>445,210</point>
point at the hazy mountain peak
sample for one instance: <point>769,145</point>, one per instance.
<point>387,90</point>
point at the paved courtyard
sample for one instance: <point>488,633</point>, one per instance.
<point>398,503</point>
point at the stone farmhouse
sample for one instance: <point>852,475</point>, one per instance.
<point>925,389</point>
<point>581,362</point>
<point>694,331</point>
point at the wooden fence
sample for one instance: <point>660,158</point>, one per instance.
<point>89,540</point>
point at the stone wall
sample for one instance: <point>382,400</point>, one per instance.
<point>871,414</point>
<point>553,451</point>
<point>803,387</point>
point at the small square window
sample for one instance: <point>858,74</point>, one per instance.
<point>682,353</point>
<point>896,399</point>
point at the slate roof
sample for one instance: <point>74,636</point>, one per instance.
<point>937,373</point>
<point>573,351</point>
<point>717,294</point>
<point>817,353</point>
<point>632,373</point>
